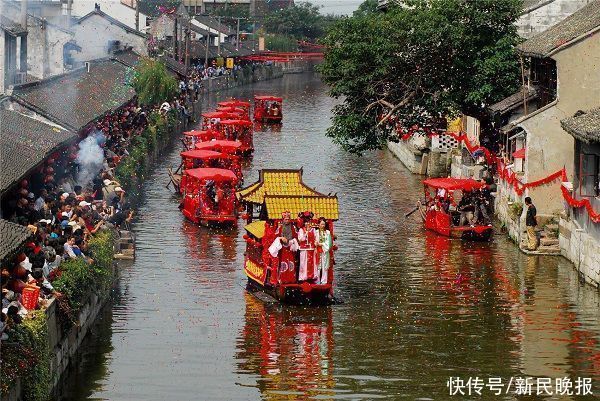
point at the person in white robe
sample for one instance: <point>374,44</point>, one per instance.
<point>323,242</point>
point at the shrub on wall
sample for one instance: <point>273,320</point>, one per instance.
<point>78,279</point>
<point>28,357</point>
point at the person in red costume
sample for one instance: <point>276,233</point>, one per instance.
<point>284,247</point>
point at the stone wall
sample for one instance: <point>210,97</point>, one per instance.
<point>581,248</point>
<point>505,197</point>
<point>417,160</point>
<point>407,155</point>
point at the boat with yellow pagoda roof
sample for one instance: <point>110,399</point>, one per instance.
<point>289,237</point>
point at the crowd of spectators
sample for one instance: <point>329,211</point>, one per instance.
<point>63,213</point>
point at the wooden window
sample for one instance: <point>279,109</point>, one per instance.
<point>589,175</point>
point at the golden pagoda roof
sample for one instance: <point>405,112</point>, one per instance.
<point>256,228</point>
<point>320,205</point>
<point>276,182</point>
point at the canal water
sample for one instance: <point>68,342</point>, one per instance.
<point>417,308</point>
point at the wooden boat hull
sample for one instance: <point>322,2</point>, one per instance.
<point>293,293</point>
<point>210,220</point>
<point>269,119</point>
<point>440,223</point>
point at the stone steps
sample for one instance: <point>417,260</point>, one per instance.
<point>547,241</point>
<point>125,246</point>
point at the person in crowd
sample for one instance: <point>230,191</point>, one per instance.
<point>466,209</point>
<point>323,242</point>
<point>482,204</point>
<point>41,200</point>
<point>531,223</point>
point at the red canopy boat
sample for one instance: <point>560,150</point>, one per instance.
<point>221,145</point>
<point>236,113</point>
<point>209,196</point>
<point>197,158</point>
<point>212,119</point>
<point>302,276</point>
<point>440,212</point>
<point>268,109</point>
<point>238,130</point>
<point>191,138</point>
<point>235,103</point>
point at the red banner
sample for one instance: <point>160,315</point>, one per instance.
<point>511,179</point>
<point>575,203</point>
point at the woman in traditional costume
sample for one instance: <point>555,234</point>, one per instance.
<point>306,243</point>
<point>323,244</point>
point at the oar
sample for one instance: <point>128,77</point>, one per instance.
<point>411,212</point>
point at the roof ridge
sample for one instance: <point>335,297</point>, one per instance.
<point>113,20</point>
<point>576,25</point>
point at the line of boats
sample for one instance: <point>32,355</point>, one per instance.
<point>290,226</point>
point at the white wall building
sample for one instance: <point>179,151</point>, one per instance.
<point>539,15</point>
<point>99,35</point>
<point>118,9</point>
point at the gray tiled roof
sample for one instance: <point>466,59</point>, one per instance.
<point>78,98</point>
<point>202,32</point>
<point>577,24</point>
<point>12,236</point>
<point>214,23</point>
<point>11,26</point>
<point>127,57</point>
<point>174,65</point>
<point>513,101</point>
<point>584,126</point>
<point>24,143</point>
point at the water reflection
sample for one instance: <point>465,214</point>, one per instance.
<point>289,349</point>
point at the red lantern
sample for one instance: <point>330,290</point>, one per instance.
<point>246,237</point>
<point>24,184</point>
<point>50,162</point>
<point>245,216</point>
<point>49,170</point>
<point>73,156</point>
<point>49,178</point>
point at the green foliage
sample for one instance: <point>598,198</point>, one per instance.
<point>432,59</point>
<point>301,21</point>
<point>153,83</point>
<point>37,383</point>
<point>78,279</point>
<point>229,13</point>
<point>281,43</point>
<point>515,210</point>
<point>28,356</point>
<point>130,172</point>
<point>367,7</point>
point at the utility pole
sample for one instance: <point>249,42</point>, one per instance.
<point>187,47</point>
<point>137,15</point>
<point>218,39</point>
<point>206,54</point>
<point>237,35</point>
<point>175,37</point>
